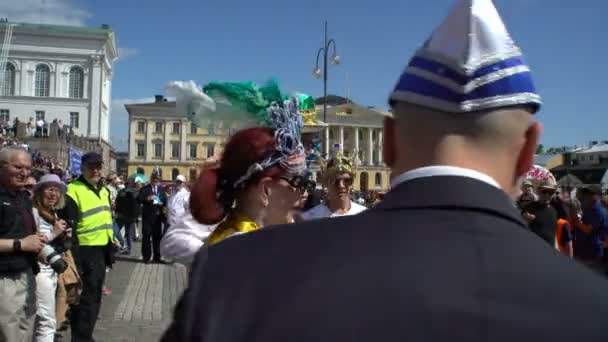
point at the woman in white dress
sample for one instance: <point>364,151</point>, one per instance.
<point>49,196</point>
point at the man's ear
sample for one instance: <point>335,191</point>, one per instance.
<point>389,152</point>
<point>525,159</point>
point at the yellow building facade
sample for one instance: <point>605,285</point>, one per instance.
<point>159,138</point>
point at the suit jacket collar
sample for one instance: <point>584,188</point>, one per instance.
<point>451,192</point>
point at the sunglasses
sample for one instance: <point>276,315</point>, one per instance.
<point>29,187</point>
<point>300,183</point>
<point>94,166</point>
<point>348,181</point>
<point>547,192</point>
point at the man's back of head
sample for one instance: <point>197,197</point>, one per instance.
<point>499,142</point>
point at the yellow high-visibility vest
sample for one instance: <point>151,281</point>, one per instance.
<point>95,227</point>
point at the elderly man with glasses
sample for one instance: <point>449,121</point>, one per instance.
<point>19,245</point>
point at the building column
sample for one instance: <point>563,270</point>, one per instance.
<point>341,137</point>
<point>149,149</point>
<point>27,86</point>
<point>53,79</point>
<point>327,140</point>
<point>86,91</point>
<point>356,134</point>
<point>370,146</point>
<point>95,109</point>
<point>183,145</point>
<point>380,147</point>
<point>132,142</point>
<point>167,141</point>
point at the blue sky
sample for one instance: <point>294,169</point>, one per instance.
<point>564,43</point>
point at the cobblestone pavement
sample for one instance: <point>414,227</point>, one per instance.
<point>140,306</point>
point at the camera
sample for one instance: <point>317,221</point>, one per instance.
<point>54,258</point>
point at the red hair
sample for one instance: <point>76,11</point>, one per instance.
<point>213,193</point>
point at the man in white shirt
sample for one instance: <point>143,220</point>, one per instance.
<point>338,177</point>
<point>185,236</point>
<point>178,202</point>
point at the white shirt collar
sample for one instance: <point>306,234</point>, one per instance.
<point>443,170</point>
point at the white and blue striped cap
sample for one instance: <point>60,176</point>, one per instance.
<point>470,63</point>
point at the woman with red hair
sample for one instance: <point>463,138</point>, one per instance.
<point>250,197</point>
<point>262,171</point>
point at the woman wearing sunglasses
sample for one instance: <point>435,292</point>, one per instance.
<point>261,174</point>
<point>338,177</point>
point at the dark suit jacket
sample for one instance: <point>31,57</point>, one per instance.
<point>150,210</point>
<point>441,259</point>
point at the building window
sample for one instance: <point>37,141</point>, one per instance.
<point>141,127</point>
<point>158,128</point>
<point>42,80</point>
<point>175,150</point>
<point>74,120</point>
<point>193,129</point>
<point>9,81</point>
<point>158,150</point>
<point>174,174</point>
<point>211,129</point>
<point>40,115</point>
<point>140,150</point>
<point>175,129</point>
<point>192,151</point>
<point>210,150</point>
<point>378,179</point>
<point>5,115</point>
<point>193,174</point>
<point>76,82</point>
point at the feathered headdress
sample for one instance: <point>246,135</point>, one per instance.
<point>247,104</point>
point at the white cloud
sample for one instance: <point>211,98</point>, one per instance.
<point>59,12</point>
<point>126,53</point>
<point>119,125</point>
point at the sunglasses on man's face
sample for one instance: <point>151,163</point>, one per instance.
<point>300,183</point>
<point>29,187</point>
<point>348,181</point>
<point>94,166</point>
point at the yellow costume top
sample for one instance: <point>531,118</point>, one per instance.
<point>233,225</point>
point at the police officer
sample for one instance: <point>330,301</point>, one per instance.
<point>89,210</point>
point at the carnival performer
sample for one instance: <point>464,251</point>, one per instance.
<point>262,171</point>
<point>446,256</point>
<point>338,177</point>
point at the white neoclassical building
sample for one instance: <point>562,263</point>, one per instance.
<point>58,72</point>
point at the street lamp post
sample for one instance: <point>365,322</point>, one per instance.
<point>335,59</point>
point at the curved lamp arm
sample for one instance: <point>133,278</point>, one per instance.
<point>319,55</point>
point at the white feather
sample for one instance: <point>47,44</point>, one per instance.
<point>191,100</point>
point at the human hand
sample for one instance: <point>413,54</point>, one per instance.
<point>528,217</point>
<point>33,243</point>
<point>59,227</point>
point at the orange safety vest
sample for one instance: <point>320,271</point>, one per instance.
<point>561,225</point>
